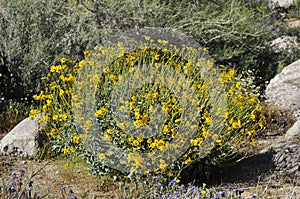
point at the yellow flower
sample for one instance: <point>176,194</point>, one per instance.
<point>254,142</point>
<point>109,131</point>
<point>148,96</point>
<point>178,120</point>
<point>45,108</point>
<point>63,116</point>
<point>129,58</point>
<point>61,92</point>
<point>114,78</point>
<point>81,63</point>
<point>197,142</point>
<point>136,143</point>
<point>49,102</point>
<point>205,132</point>
<point>53,69</point>
<point>160,144</point>
<point>34,112</point>
<point>232,90</point>
<point>106,70</point>
<point>163,167</point>
<point>231,73</point>
<point>187,161</point>
<point>165,50</point>
<point>55,117</point>
<point>76,139</point>
<point>240,97</point>
<point>46,118</point>
<point>86,52</point>
<point>52,132</point>
<point>164,42</point>
<point>36,97</point>
<point>70,78</point>
<point>155,95</point>
<point>262,121</point>
<point>101,156</point>
<point>238,85</point>
<point>145,117</point>
<point>207,118</point>
<point>72,149</point>
<point>130,139</point>
<point>253,115</point>
<point>134,98</point>
<point>131,69</point>
<point>147,38</point>
<point>146,172</point>
<point>252,100</point>
<point>131,105</point>
<point>101,112</point>
<point>166,129</point>
<point>258,107</point>
<point>149,140</point>
<point>227,114</point>
<point>152,145</point>
<point>63,60</point>
<point>65,151</point>
<point>250,132</point>
<point>140,123</point>
<point>237,124</point>
<point>174,131</point>
<point>140,139</point>
<point>107,137</point>
<point>137,113</point>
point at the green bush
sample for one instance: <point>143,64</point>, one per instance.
<point>33,35</point>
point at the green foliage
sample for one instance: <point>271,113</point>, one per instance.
<point>33,35</point>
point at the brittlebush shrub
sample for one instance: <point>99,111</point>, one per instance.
<point>78,107</point>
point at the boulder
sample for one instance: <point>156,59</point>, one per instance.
<point>283,91</point>
<point>22,139</point>
<point>287,159</point>
<point>281,3</point>
<point>294,131</point>
<point>284,44</point>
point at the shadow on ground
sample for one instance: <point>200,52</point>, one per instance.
<point>249,170</point>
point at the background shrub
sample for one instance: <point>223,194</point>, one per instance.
<point>35,33</point>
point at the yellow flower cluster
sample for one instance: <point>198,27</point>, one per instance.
<point>59,68</point>
<point>54,105</point>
